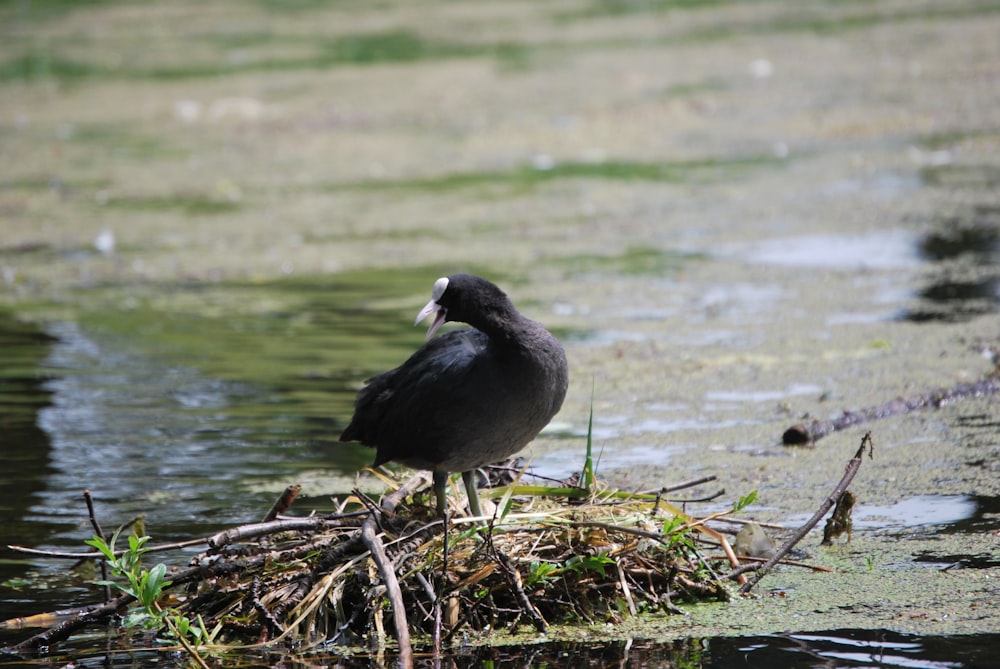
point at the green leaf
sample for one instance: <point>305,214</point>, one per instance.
<point>153,583</point>
<point>135,544</point>
<point>127,589</point>
<point>136,618</point>
<point>745,501</point>
<point>102,546</point>
<point>539,572</point>
<point>587,475</point>
<point>596,563</point>
<point>184,627</point>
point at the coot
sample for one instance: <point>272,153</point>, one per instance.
<point>469,397</point>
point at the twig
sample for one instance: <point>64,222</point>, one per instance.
<point>684,484</point>
<point>435,612</point>
<point>514,578</point>
<point>384,564</point>
<point>747,521</point>
<point>62,631</point>
<point>77,555</point>
<point>626,591</point>
<point>371,540</point>
<point>253,530</point>
<point>270,622</point>
<point>282,503</point>
<point>754,561</point>
<point>852,468</point>
<point>100,533</point>
<point>219,540</point>
<point>695,500</point>
<point>807,435</point>
<point>185,644</point>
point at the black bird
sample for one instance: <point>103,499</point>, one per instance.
<point>468,398</point>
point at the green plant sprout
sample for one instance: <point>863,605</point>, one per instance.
<point>146,586</point>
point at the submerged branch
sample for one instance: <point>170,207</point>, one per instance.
<point>80,620</point>
<point>806,435</point>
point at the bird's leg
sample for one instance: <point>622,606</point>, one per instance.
<point>440,478</point>
<point>469,478</point>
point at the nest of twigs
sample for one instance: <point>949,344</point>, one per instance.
<point>543,563</point>
<point>349,577</point>
<point>394,569</point>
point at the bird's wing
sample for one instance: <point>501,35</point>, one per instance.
<point>435,375</point>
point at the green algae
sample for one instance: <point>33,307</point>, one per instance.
<point>522,178</point>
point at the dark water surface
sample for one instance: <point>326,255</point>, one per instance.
<point>847,648</point>
<point>149,436</point>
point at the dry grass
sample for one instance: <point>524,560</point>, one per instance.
<point>544,561</point>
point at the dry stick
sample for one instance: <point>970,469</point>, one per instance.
<point>371,540</point>
<point>269,622</point>
<point>747,521</point>
<point>76,555</point>
<point>100,533</point>
<point>626,591</point>
<point>215,541</point>
<point>804,435</point>
<point>282,503</point>
<point>759,560</point>
<point>93,519</point>
<point>219,540</point>
<point>852,468</point>
<point>64,629</point>
<point>515,581</point>
<point>435,612</point>
<point>685,484</point>
<point>254,530</point>
<point>384,564</point>
<point>184,643</point>
<point>696,500</point>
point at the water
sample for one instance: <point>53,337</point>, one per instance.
<point>141,174</point>
<point>196,421</point>
<point>194,452</point>
<point>845,648</point>
<point>147,437</point>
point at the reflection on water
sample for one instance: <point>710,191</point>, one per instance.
<point>962,253</point>
<point>915,511</point>
<point>965,282</point>
<point>836,648</point>
<point>885,250</point>
<point>958,512</point>
<point>149,439</point>
<point>840,648</point>
<point>124,408</point>
<point>867,648</point>
<point>25,448</point>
